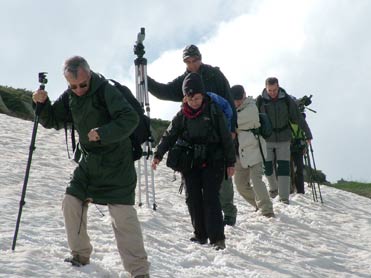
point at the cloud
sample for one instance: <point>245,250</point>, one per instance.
<point>313,47</point>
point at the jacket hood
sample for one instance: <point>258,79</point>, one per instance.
<point>248,101</point>
<point>96,82</point>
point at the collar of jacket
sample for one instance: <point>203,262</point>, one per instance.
<point>206,71</point>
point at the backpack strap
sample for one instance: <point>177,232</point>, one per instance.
<point>261,149</point>
<point>287,99</point>
<point>259,102</point>
<point>66,103</point>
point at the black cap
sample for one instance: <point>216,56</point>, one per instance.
<point>191,51</point>
<point>237,92</point>
<point>192,84</point>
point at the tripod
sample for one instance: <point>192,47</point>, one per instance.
<point>43,81</point>
<point>311,175</point>
<point>142,97</point>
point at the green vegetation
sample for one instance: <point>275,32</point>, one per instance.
<point>158,128</point>
<point>18,103</point>
<point>316,176</point>
<point>360,188</point>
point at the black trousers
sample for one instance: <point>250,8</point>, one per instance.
<point>202,199</point>
<point>298,174</point>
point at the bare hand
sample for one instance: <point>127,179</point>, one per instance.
<point>40,96</point>
<point>155,162</point>
<point>93,135</point>
<point>230,171</point>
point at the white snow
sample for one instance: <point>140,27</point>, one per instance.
<point>306,239</point>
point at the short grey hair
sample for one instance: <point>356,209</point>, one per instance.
<point>271,81</point>
<point>72,65</point>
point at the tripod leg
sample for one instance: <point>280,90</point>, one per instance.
<point>139,182</point>
<point>24,188</point>
<point>315,168</point>
<point>310,177</point>
<point>154,205</point>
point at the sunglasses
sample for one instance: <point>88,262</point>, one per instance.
<point>81,86</point>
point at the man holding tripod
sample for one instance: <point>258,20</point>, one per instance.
<point>215,82</point>
<point>105,173</point>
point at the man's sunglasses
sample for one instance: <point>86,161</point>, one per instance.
<point>81,86</point>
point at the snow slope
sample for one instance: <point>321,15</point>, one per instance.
<point>306,239</point>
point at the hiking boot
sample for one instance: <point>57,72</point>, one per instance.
<point>198,240</point>
<point>273,193</point>
<point>142,276</point>
<point>219,245</point>
<point>285,201</point>
<point>77,260</point>
<point>229,220</point>
<point>269,215</point>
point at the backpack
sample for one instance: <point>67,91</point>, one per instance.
<point>224,106</point>
<point>142,132</point>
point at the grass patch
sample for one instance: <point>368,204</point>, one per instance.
<point>360,188</point>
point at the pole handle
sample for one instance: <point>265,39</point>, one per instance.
<point>39,106</point>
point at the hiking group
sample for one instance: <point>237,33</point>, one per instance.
<point>212,138</point>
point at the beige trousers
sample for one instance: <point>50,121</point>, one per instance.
<point>125,225</point>
<point>256,195</point>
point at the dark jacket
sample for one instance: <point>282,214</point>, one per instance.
<point>213,79</point>
<point>209,128</point>
<point>106,171</point>
<point>281,112</point>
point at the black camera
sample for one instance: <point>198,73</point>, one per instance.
<point>42,78</point>
<point>139,47</point>
<point>304,102</point>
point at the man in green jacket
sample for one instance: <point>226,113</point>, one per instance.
<point>215,82</point>
<point>281,110</point>
<point>105,173</point>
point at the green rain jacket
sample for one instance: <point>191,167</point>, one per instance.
<point>105,171</point>
<point>282,112</point>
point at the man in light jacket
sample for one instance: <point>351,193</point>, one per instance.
<point>249,165</point>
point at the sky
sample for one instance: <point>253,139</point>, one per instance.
<point>306,239</point>
<point>313,47</point>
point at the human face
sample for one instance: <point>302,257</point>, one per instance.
<point>193,64</point>
<point>79,85</point>
<point>272,90</point>
<point>195,101</point>
<point>238,102</point>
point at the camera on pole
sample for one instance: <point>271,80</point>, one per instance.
<point>304,102</point>
<point>42,79</point>
<point>139,47</point>
<point>142,96</point>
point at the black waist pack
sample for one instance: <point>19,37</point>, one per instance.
<point>180,157</point>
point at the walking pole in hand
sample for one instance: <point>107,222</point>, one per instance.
<point>43,81</point>
<point>142,96</point>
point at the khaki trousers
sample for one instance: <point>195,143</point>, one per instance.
<point>125,225</point>
<point>256,195</point>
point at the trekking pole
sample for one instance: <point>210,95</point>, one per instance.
<point>39,106</point>
<point>310,176</point>
<point>143,98</point>
<point>315,169</point>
